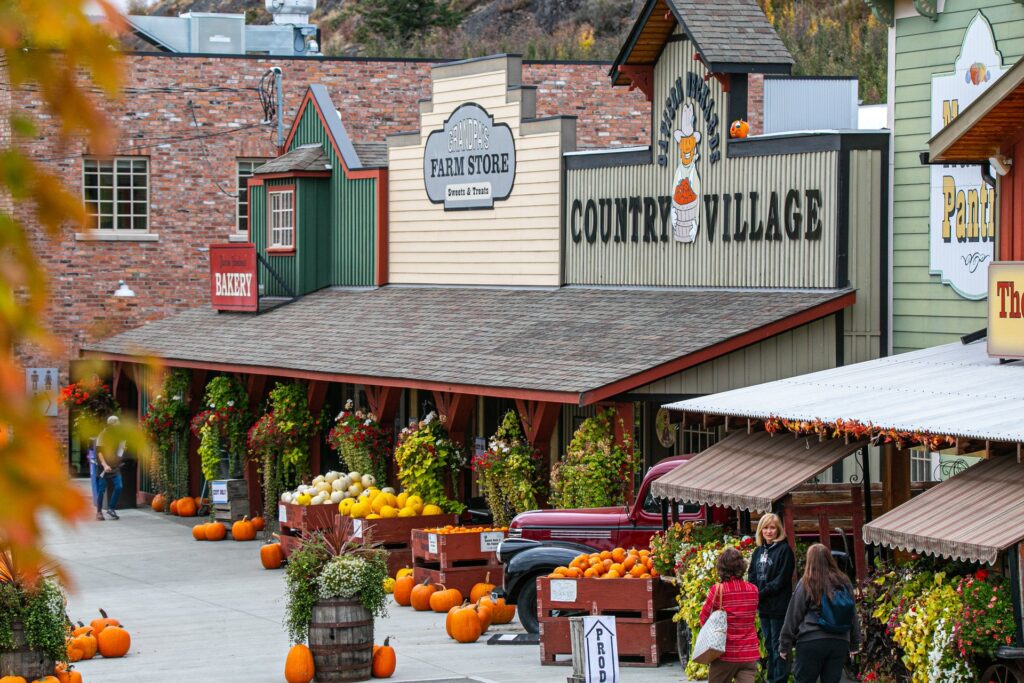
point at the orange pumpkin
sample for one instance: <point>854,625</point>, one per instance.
<point>479,590</point>
<point>13,679</point>
<point>259,523</point>
<point>74,651</point>
<point>174,507</point>
<point>216,531</point>
<point>403,590</point>
<point>271,556</point>
<point>443,600</point>
<point>199,532</point>
<point>739,129</point>
<point>47,679</point>
<point>485,613</point>
<point>298,667</point>
<point>87,643</point>
<point>65,674</point>
<point>81,630</point>
<point>420,596</point>
<point>384,661</point>
<point>114,642</point>
<point>99,624</point>
<point>502,613</point>
<point>159,502</point>
<point>187,507</point>
<point>466,625</point>
<point>448,620</point>
<point>243,530</point>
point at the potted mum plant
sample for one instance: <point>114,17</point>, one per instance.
<point>334,589</point>
<point>33,621</point>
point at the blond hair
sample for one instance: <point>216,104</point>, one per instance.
<point>770,518</point>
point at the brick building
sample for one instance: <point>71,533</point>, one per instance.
<point>195,124</point>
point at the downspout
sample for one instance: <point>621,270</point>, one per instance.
<point>279,88</point>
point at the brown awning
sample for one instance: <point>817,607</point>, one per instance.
<point>972,516</point>
<point>751,471</point>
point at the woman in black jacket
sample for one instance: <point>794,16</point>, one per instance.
<point>771,570</point>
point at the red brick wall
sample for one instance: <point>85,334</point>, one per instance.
<point>188,210</point>
<point>755,103</point>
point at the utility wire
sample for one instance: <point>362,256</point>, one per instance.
<point>206,156</point>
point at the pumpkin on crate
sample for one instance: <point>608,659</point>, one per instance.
<point>298,667</point>
<point>479,590</point>
<point>403,590</point>
<point>384,660</point>
<point>114,642</point>
<point>420,596</point>
<point>271,556</point>
<point>216,531</point>
<point>443,600</point>
<point>199,532</point>
<point>159,502</point>
<point>243,530</point>
<point>465,625</point>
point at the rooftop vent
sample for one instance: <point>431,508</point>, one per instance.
<point>291,11</point>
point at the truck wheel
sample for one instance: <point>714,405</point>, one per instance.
<point>526,606</point>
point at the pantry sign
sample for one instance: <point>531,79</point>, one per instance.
<point>1006,309</point>
<point>471,162</point>
<point>233,277</point>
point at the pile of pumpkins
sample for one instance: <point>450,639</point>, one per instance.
<point>330,489</point>
<point>449,529</point>
<point>183,507</point>
<point>244,529</point>
<point>61,674</point>
<point>466,620</point>
<point>358,497</point>
<point>609,564</point>
<point>299,666</point>
<point>104,636</point>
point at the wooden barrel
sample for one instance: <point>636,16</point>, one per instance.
<point>341,639</point>
<point>21,661</point>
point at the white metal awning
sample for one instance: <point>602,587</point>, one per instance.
<point>951,390</point>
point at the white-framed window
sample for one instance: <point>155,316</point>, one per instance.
<point>245,171</point>
<point>282,218</point>
<point>116,193</point>
<point>924,465</point>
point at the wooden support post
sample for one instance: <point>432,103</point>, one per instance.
<point>857,513</point>
<point>456,409</point>
<point>895,476</point>
<point>383,403</point>
<point>196,390</point>
<point>539,419</point>
<point>315,397</point>
<point>115,380</point>
<point>255,386</point>
<point>787,522</point>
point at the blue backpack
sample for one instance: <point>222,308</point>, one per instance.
<point>838,611</point>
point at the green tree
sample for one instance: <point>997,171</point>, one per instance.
<point>387,26</point>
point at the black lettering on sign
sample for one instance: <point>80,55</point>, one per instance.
<point>621,221</point>
<point>605,207</point>
<point>793,217</point>
<point>710,214</point>
<point>740,225</point>
<point>574,214</point>
<point>756,224</point>
<point>634,212</point>
<point>773,232</point>
<point>590,221</point>
<point>813,205</point>
<point>650,216</point>
<point>726,216</point>
<point>665,204</point>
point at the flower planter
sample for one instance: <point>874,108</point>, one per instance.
<point>21,661</point>
<point>341,640</point>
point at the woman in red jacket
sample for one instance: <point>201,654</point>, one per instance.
<point>739,600</point>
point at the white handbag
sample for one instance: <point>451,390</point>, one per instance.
<point>710,642</point>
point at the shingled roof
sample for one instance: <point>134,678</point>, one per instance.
<point>304,158</point>
<point>571,345</point>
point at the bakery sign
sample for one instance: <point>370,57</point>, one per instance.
<point>471,162</point>
<point>233,285</point>
<point>1006,309</point>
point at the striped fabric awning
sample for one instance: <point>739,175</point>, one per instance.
<point>751,471</point>
<point>972,516</point>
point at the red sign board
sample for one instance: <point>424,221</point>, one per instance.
<point>233,277</point>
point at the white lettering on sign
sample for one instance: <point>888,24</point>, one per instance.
<point>601,648</point>
<point>432,543</point>
<point>563,590</point>
<point>219,491</point>
<point>233,284</point>
<point>490,540</point>
<point>282,514</point>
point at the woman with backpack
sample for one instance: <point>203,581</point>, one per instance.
<point>771,570</point>
<point>821,620</point>
<point>738,599</point>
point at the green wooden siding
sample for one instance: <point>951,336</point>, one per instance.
<point>925,311</point>
<point>352,211</point>
<point>287,267</point>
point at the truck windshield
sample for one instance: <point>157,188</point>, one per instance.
<point>652,506</point>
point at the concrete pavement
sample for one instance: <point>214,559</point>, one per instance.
<point>210,612</point>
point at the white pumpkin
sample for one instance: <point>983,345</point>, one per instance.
<point>286,497</point>
<point>336,496</point>
<point>318,480</point>
<point>367,481</point>
<point>339,485</point>
<point>331,477</point>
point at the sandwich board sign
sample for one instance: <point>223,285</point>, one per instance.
<point>601,647</point>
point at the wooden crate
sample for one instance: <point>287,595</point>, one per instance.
<point>623,598</point>
<point>393,531</point>
<point>461,578</point>
<point>300,518</point>
<point>640,642</point>
<point>448,551</point>
<point>231,511</point>
<point>289,544</point>
<point>398,558</point>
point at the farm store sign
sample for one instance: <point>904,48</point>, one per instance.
<point>962,230</point>
<point>1006,310</point>
<point>233,277</point>
<point>471,162</point>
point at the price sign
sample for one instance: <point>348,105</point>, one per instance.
<point>601,648</point>
<point>432,543</point>
<point>219,492</point>
<point>282,514</point>
<point>357,528</point>
<point>563,590</point>
<point>489,541</point>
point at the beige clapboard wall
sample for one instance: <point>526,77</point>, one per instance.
<point>516,242</point>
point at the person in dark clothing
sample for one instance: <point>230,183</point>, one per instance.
<point>820,653</point>
<point>771,570</point>
<point>109,459</point>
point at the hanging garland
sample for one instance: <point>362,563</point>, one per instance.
<point>854,429</point>
<point>165,422</point>
<point>508,471</point>
<point>222,426</point>
<point>428,459</point>
<point>280,441</point>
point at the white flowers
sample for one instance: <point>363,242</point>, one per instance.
<point>231,404</point>
<point>431,416</point>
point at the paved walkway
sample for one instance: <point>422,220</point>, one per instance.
<point>201,612</point>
